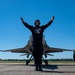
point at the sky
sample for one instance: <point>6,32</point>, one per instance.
<point>13,34</point>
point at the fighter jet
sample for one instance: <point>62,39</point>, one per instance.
<point>28,50</point>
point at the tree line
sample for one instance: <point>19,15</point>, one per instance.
<point>26,59</point>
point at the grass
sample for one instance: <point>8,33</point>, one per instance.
<point>5,61</point>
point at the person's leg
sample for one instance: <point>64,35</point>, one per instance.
<point>35,57</point>
<point>40,62</point>
<point>37,53</point>
<point>35,61</point>
<point>40,65</point>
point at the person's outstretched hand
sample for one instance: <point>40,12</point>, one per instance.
<point>22,19</point>
<point>52,18</point>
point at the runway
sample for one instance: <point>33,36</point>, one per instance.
<point>22,69</point>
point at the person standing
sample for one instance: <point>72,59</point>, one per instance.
<point>37,34</point>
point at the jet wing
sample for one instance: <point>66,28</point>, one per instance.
<point>18,50</point>
<point>51,50</point>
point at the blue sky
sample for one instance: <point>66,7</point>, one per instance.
<point>60,34</point>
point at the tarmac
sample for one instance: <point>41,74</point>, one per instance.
<point>22,69</point>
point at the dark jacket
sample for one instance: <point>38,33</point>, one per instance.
<point>37,32</point>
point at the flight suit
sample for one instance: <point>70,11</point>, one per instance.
<point>37,33</point>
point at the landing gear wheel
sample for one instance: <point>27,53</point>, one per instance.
<point>27,62</point>
<point>46,62</point>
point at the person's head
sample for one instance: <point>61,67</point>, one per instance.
<point>37,22</point>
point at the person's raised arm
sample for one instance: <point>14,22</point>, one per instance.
<point>49,23</point>
<point>26,24</point>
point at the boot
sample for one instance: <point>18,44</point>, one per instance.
<point>40,68</point>
<point>36,67</point>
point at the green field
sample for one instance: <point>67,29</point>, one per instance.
<point>24,61</point>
